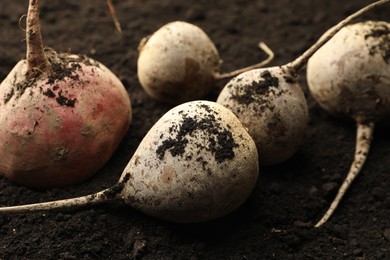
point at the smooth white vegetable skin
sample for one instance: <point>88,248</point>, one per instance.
<point>177,63</point>
<point>271,104</point>
<point>196,163</point>
<point>350,75</point>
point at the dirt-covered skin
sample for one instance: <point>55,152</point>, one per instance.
<point>360,74</point>
<point>61,127</point>
<point>271,104</point>
<point>273,223</point>
<point>197,163</point>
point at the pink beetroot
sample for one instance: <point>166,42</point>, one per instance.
<point>61,116</point>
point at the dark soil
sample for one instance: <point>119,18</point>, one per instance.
<point>275,222</point>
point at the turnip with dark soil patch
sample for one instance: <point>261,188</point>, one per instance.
<point>179,63</point>
<point>197,163</point>
<point>62,116</point>
<point>271,104</point>
<point>350,77</point>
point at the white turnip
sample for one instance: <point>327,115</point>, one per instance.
<point>271,104</point>
<point>350,77</point>
<point>61,115</point>
<point>196,163</point>
<point>179,63</point>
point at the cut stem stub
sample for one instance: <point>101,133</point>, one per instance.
<point>36,60</point>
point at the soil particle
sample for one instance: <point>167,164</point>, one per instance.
<point>220,141</point>
<point>259,88</point>
<point>49,93</point>
<point>20,87</point>
<point>64,101</point>
<point>379,193</point>
<point>276,127</point>
<point>8,96</point>
<point>330,189</point>
<point>386,234</point>
<point>382,33</point>
<point>61,68</point>
<point>289,80</point>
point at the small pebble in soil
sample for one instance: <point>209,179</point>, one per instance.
<point>67,255</point>
<point>354,242</point>
<point>330,189</point>
<point>337,241</point>
<point>358,252</point>
<point>386,233</point>
<point>313,191</point>
<point>379,193</point>
<point>63,217</point>
<point>340,231</point>
<point>303,224</point>
<point>139,248</point>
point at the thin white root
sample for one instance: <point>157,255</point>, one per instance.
<point>234,73</point>
<point>21,22</point>
<point>301,61</point>
<point>363,142</point>
<point>113,15</point>
<point>95,198</point>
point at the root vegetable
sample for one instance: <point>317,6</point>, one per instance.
<point>350,77</point>
<point>196,163</point>
<point>271,104</point>
<point>61,115</point>
<point>179,63</point>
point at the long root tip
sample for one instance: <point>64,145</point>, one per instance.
<point>363,142</point>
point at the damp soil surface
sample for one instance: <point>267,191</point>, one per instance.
<point>276,221</point>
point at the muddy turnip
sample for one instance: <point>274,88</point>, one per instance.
<point>195,164</point>
<point>350,77</point>
<point>271,104</point>
<point>61,115</point>
<point>179,63</point>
